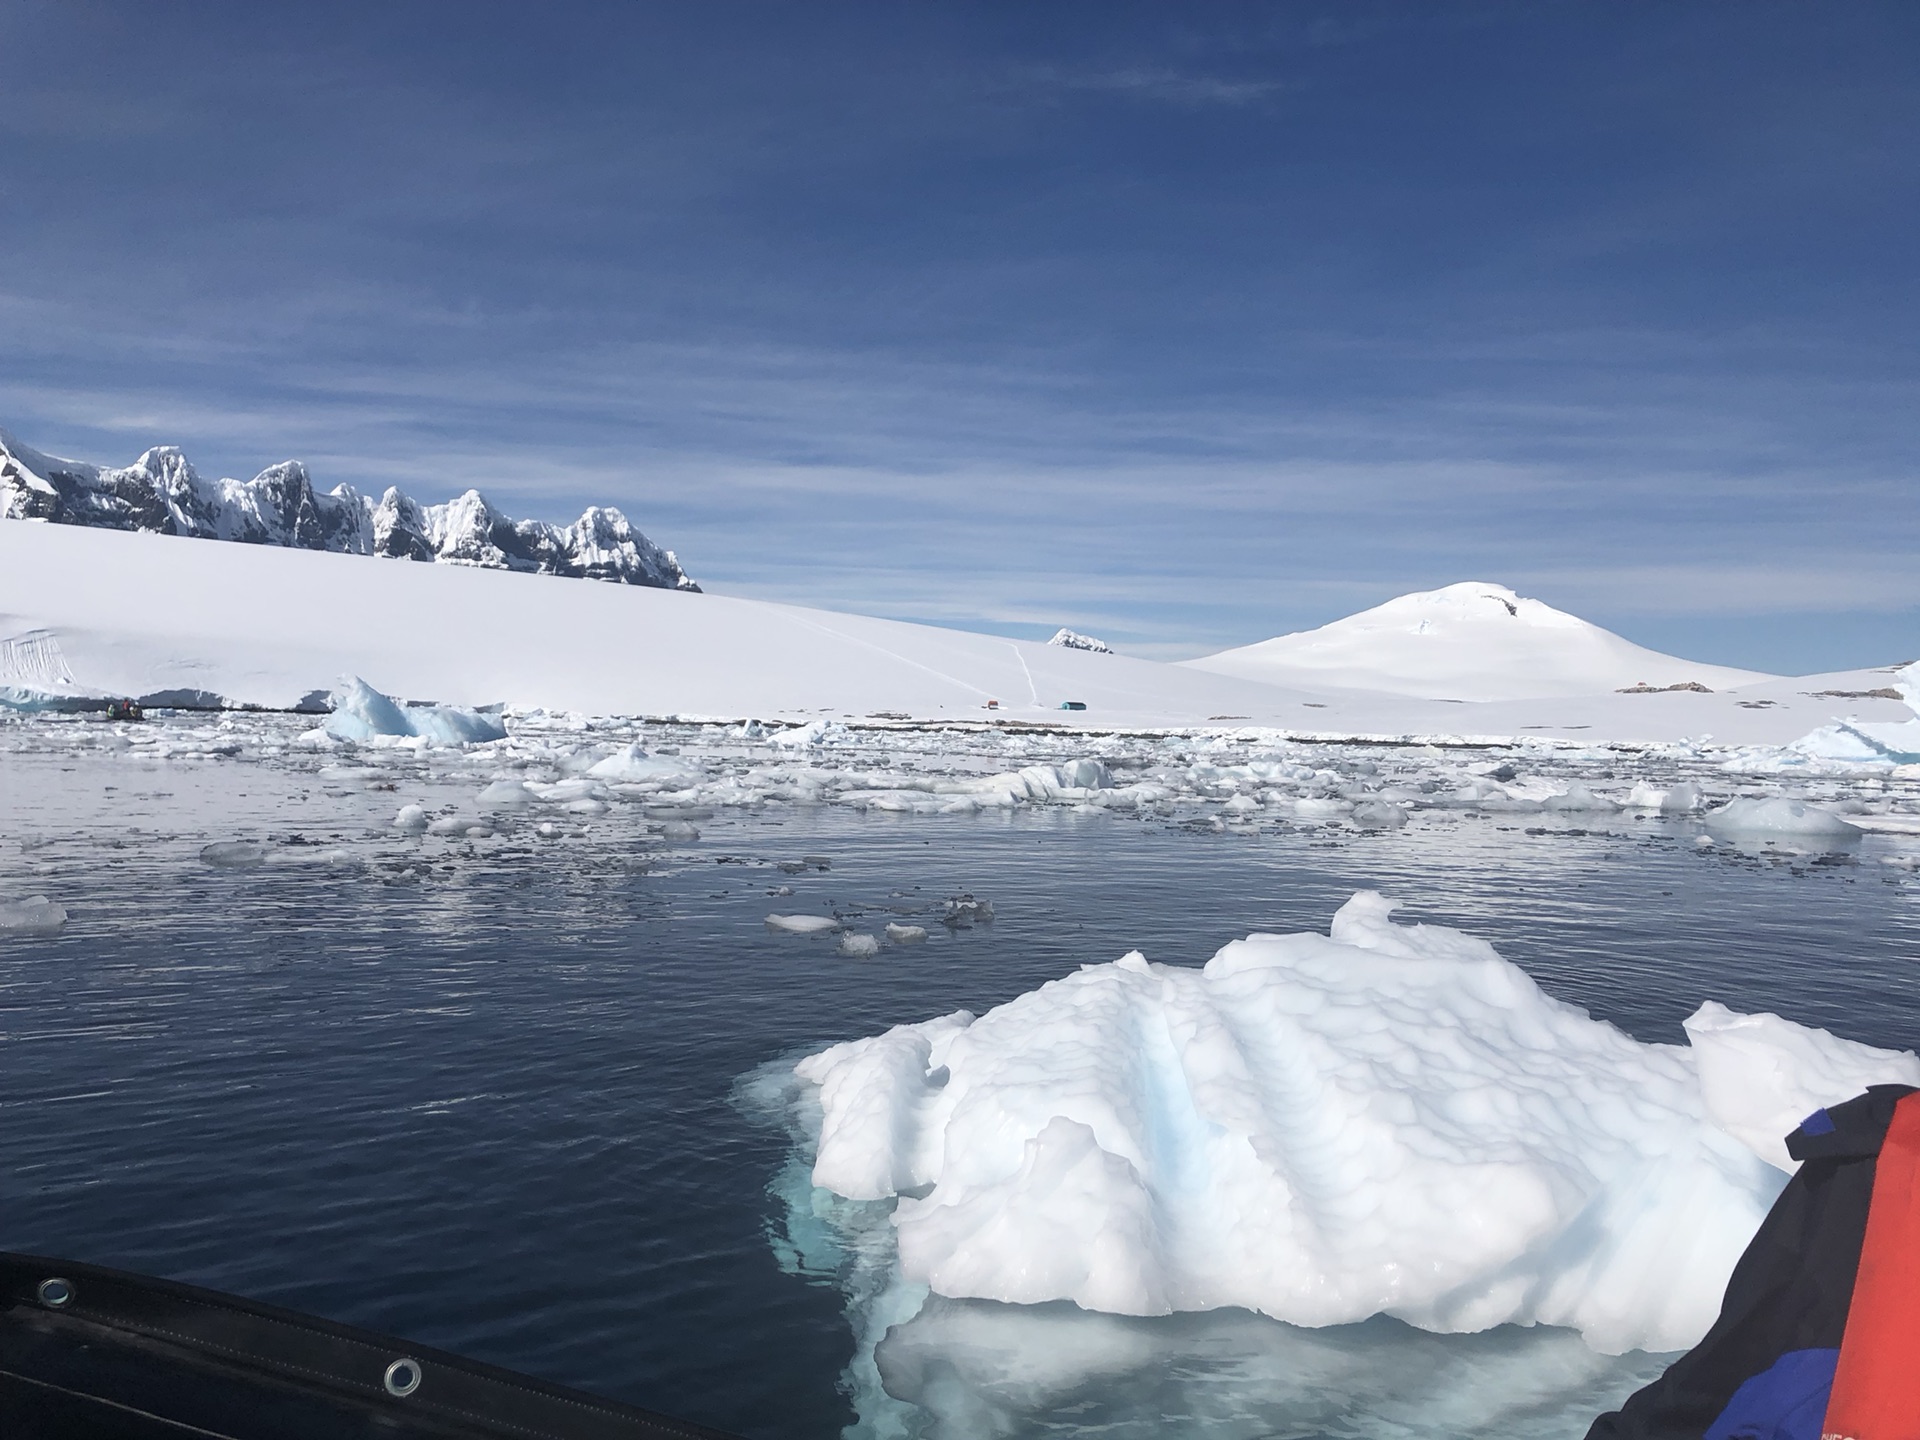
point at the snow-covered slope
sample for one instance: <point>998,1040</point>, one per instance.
<point>134,614</point>
<point>161,493</point>
<point>108,612</point>
<point>1472,641</point>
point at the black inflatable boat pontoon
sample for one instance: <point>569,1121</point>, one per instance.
<point>93,1354</point>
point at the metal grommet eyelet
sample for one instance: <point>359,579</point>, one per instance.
<point>55,1292</point>
<point>403,1377</point>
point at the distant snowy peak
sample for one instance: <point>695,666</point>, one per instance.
<point>163,494</point>
<point>1073,640</point>
<point>1472,641</point>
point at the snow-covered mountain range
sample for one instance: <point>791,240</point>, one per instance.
<point>161,493</point>
<point>1475,642</point>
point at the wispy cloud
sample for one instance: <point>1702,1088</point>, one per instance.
<point>1153,84</point>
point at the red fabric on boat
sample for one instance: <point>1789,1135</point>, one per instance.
<point>1876,1388</point>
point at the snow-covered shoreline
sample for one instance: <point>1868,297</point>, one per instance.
<point>97,613</point>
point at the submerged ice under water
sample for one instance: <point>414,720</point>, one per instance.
<point>513,1083</point>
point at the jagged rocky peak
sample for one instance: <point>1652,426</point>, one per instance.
<point>1073,640</point>
<point>161,493</point>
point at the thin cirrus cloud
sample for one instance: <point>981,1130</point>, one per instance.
<point>1166,86</point>
<point>1188,330</point>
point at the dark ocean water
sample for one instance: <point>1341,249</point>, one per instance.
<point>492,1107</point>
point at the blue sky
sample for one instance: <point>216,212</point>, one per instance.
<point>1183,325</point>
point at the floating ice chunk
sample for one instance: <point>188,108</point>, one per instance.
<point>1049,782</point>
<point>412,817</point>
<point>1677,799</point>
<point>451,825</point>
<point>632,765</point>
<point>964,911</point>
<point>1378,815</point>
<point>1321,807</point>
<point>362,713</point>
<point>37,916</point>
<point>679,831</point>
<point>506,795</point>
<point>803,924</point>
<point>449,725</point>
<point>232,854</point>
<point>1794,819</point>
<point>1578,798</point>
<point>859,945</point>
<point>814,732</point>
<point>1321,1128</point>
<point>1762,1075</point>
<point>564,792</point>
<point>905,934</point>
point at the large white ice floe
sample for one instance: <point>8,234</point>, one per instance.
<point>361,713</point>
<point>1385,1119</point>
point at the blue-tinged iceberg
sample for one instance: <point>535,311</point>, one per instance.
<point>363,715</point>
<point>1871,742</point>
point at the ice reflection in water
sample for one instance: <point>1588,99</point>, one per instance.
<point>944,1369</point>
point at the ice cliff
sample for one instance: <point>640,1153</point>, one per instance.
<point>161,493</point>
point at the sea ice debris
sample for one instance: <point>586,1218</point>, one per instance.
<point>859,945</point>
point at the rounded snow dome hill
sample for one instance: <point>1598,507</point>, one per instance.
<point>1472,641</point>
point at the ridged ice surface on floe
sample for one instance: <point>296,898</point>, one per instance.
<point>1386,1119</point>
